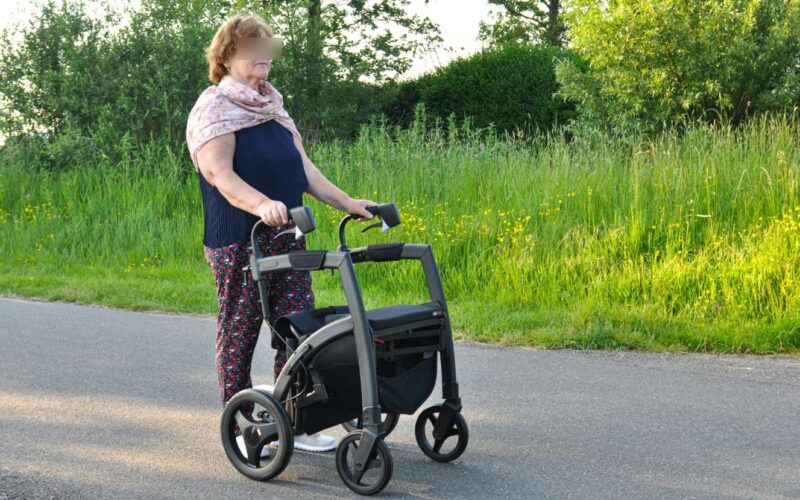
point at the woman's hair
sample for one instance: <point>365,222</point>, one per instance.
<point>225,40</point>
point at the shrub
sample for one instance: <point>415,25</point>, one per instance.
<point>42,151</point>
<point>509,87</point>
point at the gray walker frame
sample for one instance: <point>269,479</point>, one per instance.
<point>356,322</point>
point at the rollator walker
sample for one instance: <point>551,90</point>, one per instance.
<point>349,366</point>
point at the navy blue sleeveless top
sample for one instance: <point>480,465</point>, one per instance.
<point>267,159</point>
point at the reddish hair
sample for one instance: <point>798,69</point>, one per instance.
<point>223,45</point>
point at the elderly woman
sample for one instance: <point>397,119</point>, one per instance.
<point>251,165</point>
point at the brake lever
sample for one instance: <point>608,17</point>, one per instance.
<point>377,224</point>
<point>382,223</point>
<point>295,230</point>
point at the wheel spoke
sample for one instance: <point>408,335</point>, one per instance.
<point>453,431</point>
<point>437,445</point>
<point>242,421</point>
<point>266,431</point>
<point>357,474</point>
<point>432,419</point>
<point>352,450</point>
<point>253,454</point>
<point>374,461</point>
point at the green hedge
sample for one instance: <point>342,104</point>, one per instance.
<point>509,87</point>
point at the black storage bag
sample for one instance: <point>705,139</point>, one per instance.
<point>404,384</point>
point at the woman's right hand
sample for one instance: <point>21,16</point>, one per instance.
<point>272,212</point>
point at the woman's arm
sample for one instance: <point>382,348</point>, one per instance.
<point>325,191</point>
<point>215,162</point>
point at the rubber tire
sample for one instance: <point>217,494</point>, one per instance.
<point>386,426</point>
<point>346,474</point>
<point>279,458</point>
<point>424,444</point>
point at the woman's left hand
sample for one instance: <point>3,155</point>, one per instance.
<point>356,207</point>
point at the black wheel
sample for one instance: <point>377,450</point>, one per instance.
<point>261,420</point>
<point>386,426</point>
<point>445,449</point>
<point>378,469</point>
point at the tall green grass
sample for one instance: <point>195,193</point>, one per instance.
<point>686,242</point>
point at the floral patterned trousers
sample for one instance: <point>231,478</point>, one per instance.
<point>240,315</point>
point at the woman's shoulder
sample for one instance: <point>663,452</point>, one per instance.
<point>206,99</point>
<point>206,111</point>
<point>203,122</point>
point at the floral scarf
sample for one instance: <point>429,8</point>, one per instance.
<point>231,106</point>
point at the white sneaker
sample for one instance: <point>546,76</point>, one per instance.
<point>314,442</point>
<point>243,449</point>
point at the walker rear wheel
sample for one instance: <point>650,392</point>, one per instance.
<point>260,419</point>
<point>443,449</point>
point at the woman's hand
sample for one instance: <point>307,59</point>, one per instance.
<point>272,212</point>
<point>356,207</point>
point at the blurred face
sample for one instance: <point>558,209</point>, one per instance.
<point>253,57</point>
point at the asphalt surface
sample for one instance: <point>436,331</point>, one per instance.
<point>101,403</point>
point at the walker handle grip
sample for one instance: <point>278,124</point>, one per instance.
<point>388,212</point>
<point>303,218</point>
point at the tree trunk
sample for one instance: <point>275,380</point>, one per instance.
<point>553,35</point>
<point>313,69</point>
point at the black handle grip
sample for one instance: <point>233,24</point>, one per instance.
<point>373,209</point>
<point>303,218</point>
<point>388,212</point>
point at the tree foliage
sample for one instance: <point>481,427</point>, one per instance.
<point>337,48</point>
<point>526,22</point>
<point>73,73</point>
<point>131,75</point>
<point>653,63</point>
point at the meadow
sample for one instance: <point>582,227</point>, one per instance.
<point>688,241</point>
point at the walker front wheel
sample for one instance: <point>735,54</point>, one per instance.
<point>260,419</point>
<point>368,478</point>
<point>437,450</point>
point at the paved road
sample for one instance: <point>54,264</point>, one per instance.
<point>100,403</point>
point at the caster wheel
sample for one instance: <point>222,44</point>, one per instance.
<point>378,470</point>
<point>386,427</point>
<point>423,430</point>
<point>260,419</point>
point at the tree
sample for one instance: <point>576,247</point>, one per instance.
<point>146,66</point>
<point>65,69</point>
<point>657,62</point>
<point>336,45</point>
<point>526,21</point>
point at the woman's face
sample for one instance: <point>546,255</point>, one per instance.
<point>250,61</point>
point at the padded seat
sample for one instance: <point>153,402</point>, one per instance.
<point>384,318</point>
<point>390,317</point>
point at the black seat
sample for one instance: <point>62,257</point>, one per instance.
<point>390,317</point>
<point>384,318</point>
